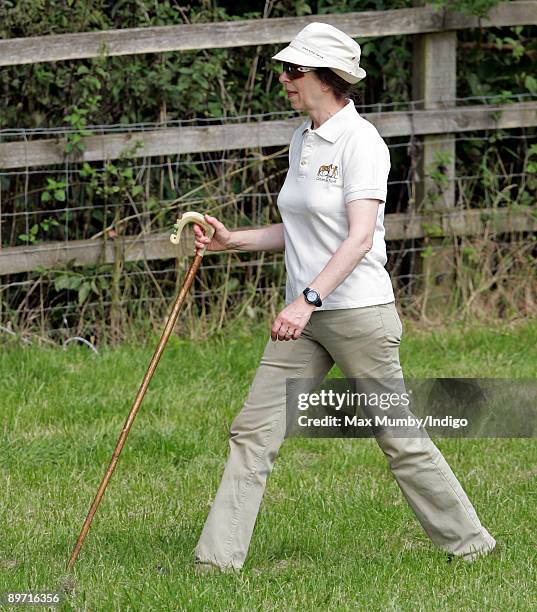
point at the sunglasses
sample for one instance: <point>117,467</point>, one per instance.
<point>296,72</point>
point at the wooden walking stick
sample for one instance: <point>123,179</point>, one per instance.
<point>188,217</point>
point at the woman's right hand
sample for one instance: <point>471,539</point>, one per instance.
<point>221,240</point>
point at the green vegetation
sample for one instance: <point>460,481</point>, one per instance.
<point>129,196</point>
<point>334,532</point>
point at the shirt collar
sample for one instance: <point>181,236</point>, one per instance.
<point>332,128</point>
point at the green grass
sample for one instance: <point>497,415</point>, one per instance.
<point>334,532</point>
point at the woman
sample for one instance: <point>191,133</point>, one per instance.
<point>339,305</point>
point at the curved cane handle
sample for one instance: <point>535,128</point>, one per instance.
<point>191,217</point>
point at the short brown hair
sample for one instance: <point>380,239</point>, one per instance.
<point>340,88</point>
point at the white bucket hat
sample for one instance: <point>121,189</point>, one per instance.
<point>320,45</point>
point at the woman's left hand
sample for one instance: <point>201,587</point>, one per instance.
<point>291,321</point>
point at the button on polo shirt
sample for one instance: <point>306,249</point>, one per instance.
<point>343,160</point>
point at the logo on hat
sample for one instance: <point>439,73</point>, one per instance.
<point>312,51</point>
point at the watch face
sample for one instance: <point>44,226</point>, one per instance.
<point>313,296</point>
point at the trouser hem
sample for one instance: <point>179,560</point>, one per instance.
<point>226,567</point>
<point>473,554</point>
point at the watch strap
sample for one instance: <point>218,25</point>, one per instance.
<point>318,302</point>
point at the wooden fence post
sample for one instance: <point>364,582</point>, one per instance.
<point>434,86</point>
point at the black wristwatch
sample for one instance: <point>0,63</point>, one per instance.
<point>312,296</point>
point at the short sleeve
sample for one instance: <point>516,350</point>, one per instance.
<point>366,166</point>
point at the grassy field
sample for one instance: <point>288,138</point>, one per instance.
<point>334,532</point>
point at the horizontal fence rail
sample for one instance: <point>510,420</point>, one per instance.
<point>416,20</point>
<point>174,141</point>
<point>399,226</point>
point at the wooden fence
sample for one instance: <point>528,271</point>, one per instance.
<point>419,20</point>
<point>399,226</point>
<point>173,141</point>
<point>435,120</point>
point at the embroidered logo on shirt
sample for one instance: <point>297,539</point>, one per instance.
<point>327,173</point>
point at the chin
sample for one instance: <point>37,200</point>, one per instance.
<point>295,104</point>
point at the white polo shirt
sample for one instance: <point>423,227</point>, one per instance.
<point>345,159</point>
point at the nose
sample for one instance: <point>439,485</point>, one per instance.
<point>283,78</point>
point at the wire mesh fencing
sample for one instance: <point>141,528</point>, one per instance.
<point>488,269</point>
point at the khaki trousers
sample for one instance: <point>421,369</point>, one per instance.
<point>364,343</point>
